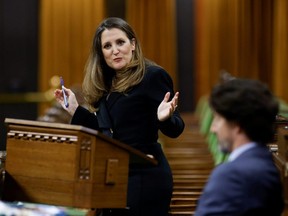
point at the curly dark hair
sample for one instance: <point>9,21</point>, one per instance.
<point>248,103</point>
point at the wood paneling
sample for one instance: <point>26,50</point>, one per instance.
<point>247,38</point>
<point>154,23</point>
<point>66,31</point>
<point>280,48</point>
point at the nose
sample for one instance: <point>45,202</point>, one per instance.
<point>213,127</point>
<point>115,50</point>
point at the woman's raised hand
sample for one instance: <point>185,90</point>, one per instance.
<point>166,107</point>
<point>71,99</point>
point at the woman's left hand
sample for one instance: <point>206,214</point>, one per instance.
<point>166,107</point>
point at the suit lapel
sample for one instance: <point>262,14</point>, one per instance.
<point>113,97</point>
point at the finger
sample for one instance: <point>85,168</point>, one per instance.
<point>175,99</point>
<point>58,94</point>
<point>67,91</point>
<point>166,97</point>
<point>59,97</point>
<point>176,96</point>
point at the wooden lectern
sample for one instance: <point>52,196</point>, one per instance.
<point>66,165</point>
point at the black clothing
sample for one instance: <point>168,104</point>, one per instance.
<point>134,122</point>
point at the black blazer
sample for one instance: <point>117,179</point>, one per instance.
<point>134,122</point>
<point>134,115</point>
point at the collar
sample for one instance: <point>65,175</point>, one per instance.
<point>240,150</point>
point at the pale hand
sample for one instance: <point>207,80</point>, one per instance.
<point>166,107</point>
<point>71,98</point>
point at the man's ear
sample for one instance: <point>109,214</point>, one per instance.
<point>237,128</point>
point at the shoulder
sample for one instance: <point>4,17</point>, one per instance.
<point>228,174</point>
<point>249,165</point>
<point>156,72</point>
<point>222,170</point>
<point>151,69</point>
<point>256,157</point>
<point>157,81</point>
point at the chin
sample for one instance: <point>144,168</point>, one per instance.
<point>225,147</point>
<point>118,66</point>
<point>225,151</point>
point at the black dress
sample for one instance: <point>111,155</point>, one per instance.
<point>134,122</point>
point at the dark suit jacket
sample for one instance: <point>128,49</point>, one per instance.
<point>250,185</point>
<point>134,122</point>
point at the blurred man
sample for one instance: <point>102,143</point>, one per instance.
<point>248,184</point>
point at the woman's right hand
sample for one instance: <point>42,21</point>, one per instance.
<point>71,98</point>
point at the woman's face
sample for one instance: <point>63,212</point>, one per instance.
<point>117,48</point>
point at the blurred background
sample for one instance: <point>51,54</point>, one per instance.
<point>196,41</point>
